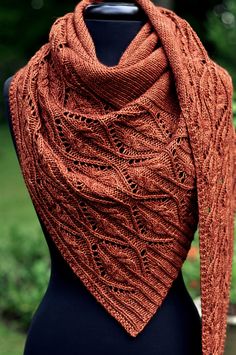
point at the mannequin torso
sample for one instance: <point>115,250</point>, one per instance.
<point>69,320</point>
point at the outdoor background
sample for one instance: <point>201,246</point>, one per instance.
<point>24,261</point>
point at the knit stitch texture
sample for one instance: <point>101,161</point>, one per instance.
<point>124,163</point>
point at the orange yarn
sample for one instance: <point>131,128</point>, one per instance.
<point>123,162</point>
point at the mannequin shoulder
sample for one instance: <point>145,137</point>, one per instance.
<point>7,86</point>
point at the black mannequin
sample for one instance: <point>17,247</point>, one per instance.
<point>69,320</point>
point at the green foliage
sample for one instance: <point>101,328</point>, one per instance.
<point>12,340</point>
<point>24,262</point>
<point>191,270</point>
<point>24,272</point>
<point>221,25</point>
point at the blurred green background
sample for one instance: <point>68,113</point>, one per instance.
<point>24,262</point>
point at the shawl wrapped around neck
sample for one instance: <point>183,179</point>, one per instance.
<point>123,163</point>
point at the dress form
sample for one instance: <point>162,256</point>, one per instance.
<point>69,320</point>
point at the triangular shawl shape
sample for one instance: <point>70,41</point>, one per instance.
<point>204,94</point>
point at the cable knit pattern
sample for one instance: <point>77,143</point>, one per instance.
<point>123,163</point>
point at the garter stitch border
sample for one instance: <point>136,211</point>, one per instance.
<point>123,163</point>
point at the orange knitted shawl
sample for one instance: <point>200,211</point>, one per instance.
<point>123,163</point>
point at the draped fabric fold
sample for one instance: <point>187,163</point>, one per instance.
<point>123,163</point>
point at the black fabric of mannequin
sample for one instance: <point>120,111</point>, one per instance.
<point>69,320</point>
